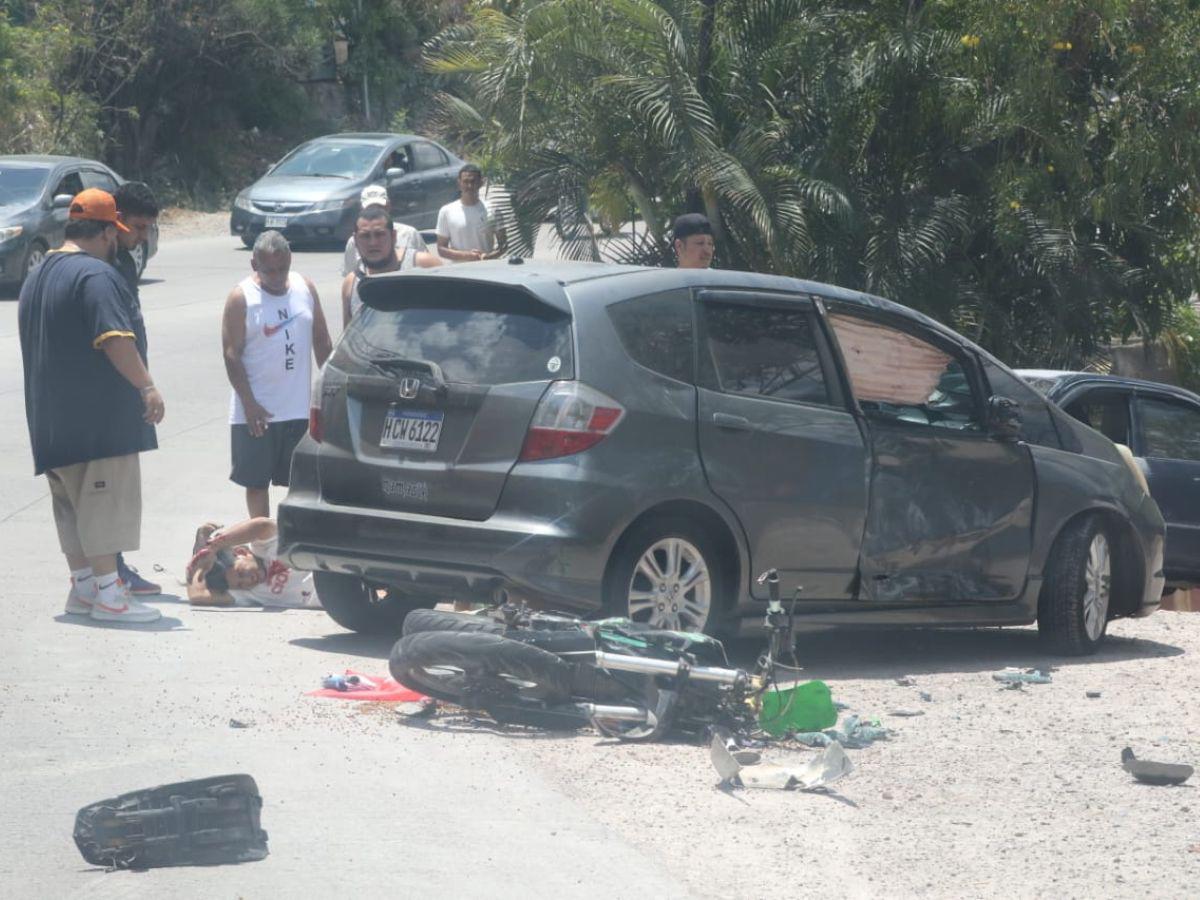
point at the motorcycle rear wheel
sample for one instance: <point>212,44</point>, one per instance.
<point>476,670</point>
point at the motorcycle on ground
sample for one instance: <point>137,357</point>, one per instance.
<point>626,679</point>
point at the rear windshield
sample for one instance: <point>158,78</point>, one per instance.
<point>471,345</point>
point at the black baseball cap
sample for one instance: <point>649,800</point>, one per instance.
<point>689,224</point>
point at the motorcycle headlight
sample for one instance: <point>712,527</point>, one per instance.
<point>242,201</point>
<point>7,234</point>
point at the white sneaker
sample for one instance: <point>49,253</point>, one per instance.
<point>126,610</point>
<point>79,603</point>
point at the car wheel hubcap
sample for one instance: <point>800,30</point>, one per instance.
<point>671,587</point>
<point>36,255</point>
<point>1097,587</point>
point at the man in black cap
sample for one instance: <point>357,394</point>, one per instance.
<point>692,236</point>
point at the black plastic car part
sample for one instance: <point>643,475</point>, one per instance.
<point>192,823</point>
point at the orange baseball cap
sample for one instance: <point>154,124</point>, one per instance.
<point>97,205</point>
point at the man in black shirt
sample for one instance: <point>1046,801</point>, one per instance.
<point>90,404</point>
<point>138,212</point>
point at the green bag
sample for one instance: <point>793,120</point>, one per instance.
<point>804,707</point>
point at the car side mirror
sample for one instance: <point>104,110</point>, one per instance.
<point>61,201</point>
<point>1003,418</point>
<point>395,173</point>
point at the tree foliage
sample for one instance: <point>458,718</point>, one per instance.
<point>1025,170</point>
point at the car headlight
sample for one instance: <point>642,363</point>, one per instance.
<point>334,204</point>
<point>7,234</point>
<point>242,201</point>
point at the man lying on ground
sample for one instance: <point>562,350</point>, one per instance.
<point>240,566</point>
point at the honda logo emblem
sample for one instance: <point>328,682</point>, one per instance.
<point>409,388</point>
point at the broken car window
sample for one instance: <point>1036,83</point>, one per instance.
<point>765,351</point>
<point>899,377</point>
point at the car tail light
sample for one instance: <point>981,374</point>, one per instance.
<point>315,429</point>
<point>570,418</point>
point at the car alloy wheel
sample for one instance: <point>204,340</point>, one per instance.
<point>34,258</point>
<point>1097,586</point>
<point>671,586</point>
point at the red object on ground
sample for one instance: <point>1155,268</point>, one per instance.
<point>386,689</point>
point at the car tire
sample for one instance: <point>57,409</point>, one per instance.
<point>248,240</point>
<point>469,669</point>
<point>1076,595</point>
<point>439,620</point>
<point>355,606</point>
<point>658,601</point>
<point>33,257</point>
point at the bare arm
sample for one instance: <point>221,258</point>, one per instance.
<point>426,260</point>
<point>258,529</point>
<point>347,290</point>
<point>322,343</point>
<point>233,342</point>
<point>122,352</point>
<point>445,250</point>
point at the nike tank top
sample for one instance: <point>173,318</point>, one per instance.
<point>278,350</point>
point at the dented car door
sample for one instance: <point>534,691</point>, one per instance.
<point>950,509</point>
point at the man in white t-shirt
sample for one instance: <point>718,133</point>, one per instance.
<point>240,566</point>
<point>407,237</point>
<point>466,230</point>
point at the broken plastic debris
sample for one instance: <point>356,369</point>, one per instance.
<point>744,768</point>
<point>1016,676</point>
<point>802,707</point>
<point>926,696</point>
<point>854,734</point>
<point>906,713</point>
<point>906,681</point>
<point>1154,772</point>
<point>240,723</point>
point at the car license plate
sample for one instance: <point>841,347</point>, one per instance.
<point>411,429</point>
<point>277,221</point>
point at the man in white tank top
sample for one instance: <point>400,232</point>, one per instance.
<point>376,244</point>
<point>272,329</point>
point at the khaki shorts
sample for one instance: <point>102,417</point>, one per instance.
<point>98,505</point>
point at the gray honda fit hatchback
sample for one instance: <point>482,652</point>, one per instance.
<point>643,442</point>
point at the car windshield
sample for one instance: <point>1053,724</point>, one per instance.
<point>21,185</point>
<point>335,159</point>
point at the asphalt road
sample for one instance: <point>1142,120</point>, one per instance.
<point>355,803</point>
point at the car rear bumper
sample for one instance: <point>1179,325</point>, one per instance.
<point>308,227</point>
<point>448,558</point>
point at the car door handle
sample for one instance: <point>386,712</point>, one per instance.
<point>725,420</point>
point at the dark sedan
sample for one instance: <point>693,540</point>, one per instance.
<point>311,195</point>
<point>35,192</point>
<point>1160,424</point>
<point>643,442</point>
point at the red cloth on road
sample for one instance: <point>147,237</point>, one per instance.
<point>386,689</point>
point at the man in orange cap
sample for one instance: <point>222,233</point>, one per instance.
<point>90,404</point>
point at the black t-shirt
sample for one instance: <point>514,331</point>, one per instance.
<point>78,406</point>
<point>128,269</point>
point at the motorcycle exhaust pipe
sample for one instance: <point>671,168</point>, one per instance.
<point>646,666</point>
<point>616,713</point>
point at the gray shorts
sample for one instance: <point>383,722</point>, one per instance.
<point>259,462</point>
